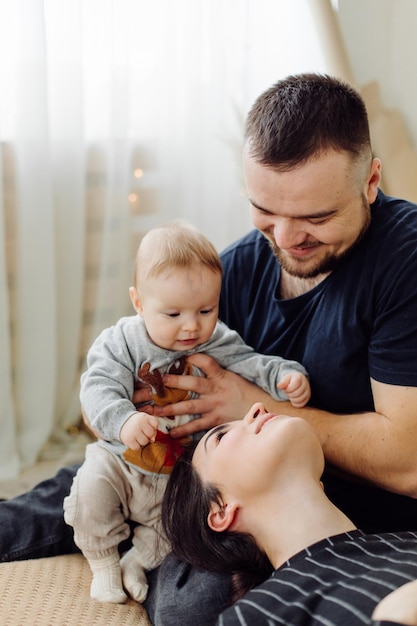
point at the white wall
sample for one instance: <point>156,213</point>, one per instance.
<point>381,42</point>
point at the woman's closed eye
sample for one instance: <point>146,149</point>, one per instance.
<point>220,434</point>
<point>216,435</point>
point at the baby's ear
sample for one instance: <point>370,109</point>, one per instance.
<point>221,517</point>
<point>135,299</point>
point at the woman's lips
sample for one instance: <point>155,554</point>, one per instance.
<point>263,420</point>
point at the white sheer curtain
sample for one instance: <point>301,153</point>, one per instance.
<point>114,116</point>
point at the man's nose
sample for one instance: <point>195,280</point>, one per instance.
<point>287,233</point>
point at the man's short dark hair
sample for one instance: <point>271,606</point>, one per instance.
<point>306,115</point>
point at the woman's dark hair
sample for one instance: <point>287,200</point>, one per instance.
<point>305,115</point>
<point>186,504</point>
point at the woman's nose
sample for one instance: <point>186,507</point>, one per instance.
<point>257,409</point>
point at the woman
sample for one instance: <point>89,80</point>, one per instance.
<point>255,505</point>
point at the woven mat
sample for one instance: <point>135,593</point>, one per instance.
<point>55,592</point>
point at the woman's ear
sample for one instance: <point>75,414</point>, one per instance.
<point>135,299</point>
<point>221,517</point>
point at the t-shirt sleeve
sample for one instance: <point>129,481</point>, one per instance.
<point>393,346</point>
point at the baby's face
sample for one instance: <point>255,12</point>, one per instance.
<point>180,307</point>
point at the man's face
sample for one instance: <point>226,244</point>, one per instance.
<point>314,213</point>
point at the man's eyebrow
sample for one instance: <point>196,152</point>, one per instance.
<point>211,433</point>
<point>318,214</point>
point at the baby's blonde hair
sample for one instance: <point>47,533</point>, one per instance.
<point>177,244</point>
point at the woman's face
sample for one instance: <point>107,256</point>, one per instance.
<point>247,457</point>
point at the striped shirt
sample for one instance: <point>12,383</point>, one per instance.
<point>335,582</point>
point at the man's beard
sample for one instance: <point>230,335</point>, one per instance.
<point>326,264</point>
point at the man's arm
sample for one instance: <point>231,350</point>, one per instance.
<point>379,447</point>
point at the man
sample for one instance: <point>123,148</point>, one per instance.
<point>329,282</point>
<point>328,279</point>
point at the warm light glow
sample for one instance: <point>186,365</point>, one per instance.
<point>138,173</point>
<point>133,197</point>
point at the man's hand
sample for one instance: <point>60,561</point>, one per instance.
<point>139,430</point>
<point>223,396</point>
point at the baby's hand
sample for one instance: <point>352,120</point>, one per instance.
<point>139,430</point>
<point>297,388</point>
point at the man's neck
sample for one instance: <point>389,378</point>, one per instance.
<point>292,286</point>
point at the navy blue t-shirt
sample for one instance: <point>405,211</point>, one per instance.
<point>358,323</point>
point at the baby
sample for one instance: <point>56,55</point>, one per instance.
<point>175,295</point>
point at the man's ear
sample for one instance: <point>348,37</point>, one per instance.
<point>135,299</point>
<point>221,517</point>
<point>373,180</point>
